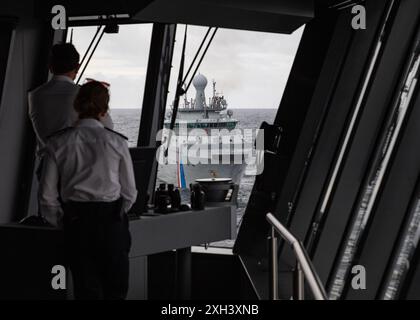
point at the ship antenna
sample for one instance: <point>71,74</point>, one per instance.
<point>185,97</point>
<point>214,88</point>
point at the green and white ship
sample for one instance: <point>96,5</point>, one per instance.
<point>208,126</point>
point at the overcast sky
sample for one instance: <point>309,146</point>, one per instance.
<point>250,68</point>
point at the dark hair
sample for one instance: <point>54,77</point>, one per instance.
<point>92,100</point>
<point>64,58</point>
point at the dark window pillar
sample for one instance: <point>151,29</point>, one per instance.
<point>156,89</point>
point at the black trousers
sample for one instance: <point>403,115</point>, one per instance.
<point>97,245</point>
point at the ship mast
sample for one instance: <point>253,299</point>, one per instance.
<point>185,98</point>
<point>214,88</point>
<point>214,106</point>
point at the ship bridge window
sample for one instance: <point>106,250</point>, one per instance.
<point>238,85</point>
<point>120,60</point>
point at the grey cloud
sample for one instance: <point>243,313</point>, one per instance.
<point>250,68</point>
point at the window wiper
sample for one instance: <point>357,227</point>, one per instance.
<point>100,31</point>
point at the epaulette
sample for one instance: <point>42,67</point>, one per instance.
<point>59,132</point>
<point>121,135</point>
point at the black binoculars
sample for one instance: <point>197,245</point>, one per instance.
<point>167,199</point>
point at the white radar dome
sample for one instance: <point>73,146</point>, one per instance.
<point>200,81</point>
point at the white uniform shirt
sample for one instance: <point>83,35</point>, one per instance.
<point>90,163</point>
<point>51,107</point>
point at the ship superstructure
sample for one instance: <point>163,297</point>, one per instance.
<point>210,127</point>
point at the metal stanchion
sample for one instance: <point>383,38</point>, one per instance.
<point>298,283</point>
<point>274,268</point>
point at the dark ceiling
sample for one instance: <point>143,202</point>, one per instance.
<point>282,16</point>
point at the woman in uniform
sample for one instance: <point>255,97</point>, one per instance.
<point>87,186</point>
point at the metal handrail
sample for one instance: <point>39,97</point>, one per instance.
<point>304,268</point>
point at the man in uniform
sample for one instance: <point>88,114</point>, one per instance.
<point>89,167</point>
<point>51,105</point>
